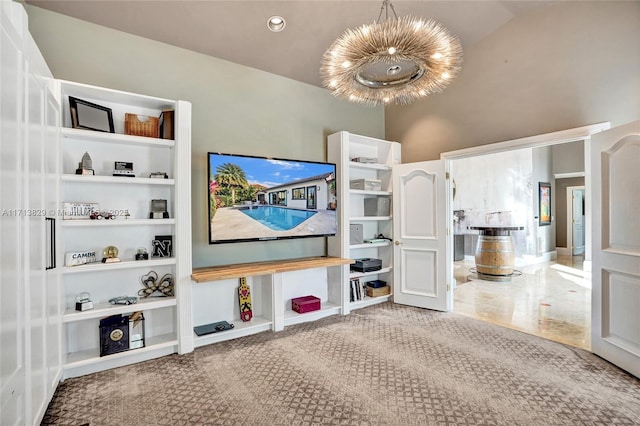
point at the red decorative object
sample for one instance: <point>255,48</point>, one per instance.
<point>305,304</point>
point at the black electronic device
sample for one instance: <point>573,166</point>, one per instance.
<point>215,327</point>
<point>367,264</point>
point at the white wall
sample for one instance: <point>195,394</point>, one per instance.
<point>542,172</point>
<point>562,66</point>
<point>496,190</point>
<point>568,157</point>
<point>236,110</point>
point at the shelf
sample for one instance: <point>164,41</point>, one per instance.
<point>367,192</point>
<point>117,179</point>
<point>106,309</point>
<point>240,329</point>
<point>88,223</point>
<point>369,166</point>
<point>369,245</point>
<point>92,356</point>
<point>214,273</point>
<point>369,301</point>
<point>104,94</point>
<point>367,274</point>
<point>105,267</point>
<point>328,308</point>
<point>117,138</point>
<point>369,218</point>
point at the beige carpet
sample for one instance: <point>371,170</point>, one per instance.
<point>384,365</point>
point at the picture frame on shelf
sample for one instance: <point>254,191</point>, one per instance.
<point>544,204</point>
<point>89,116</point>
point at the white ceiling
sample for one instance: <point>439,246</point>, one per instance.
<point>236,30</point>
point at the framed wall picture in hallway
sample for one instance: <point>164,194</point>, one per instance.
<point>544,204</point>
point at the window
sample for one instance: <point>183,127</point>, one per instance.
<point>298,194</point>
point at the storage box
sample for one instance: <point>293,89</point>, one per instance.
<point>120,333</point>
<point>377,206</point>
<point>305,304</point>
<point>367,265</point>
<point>380,291</point>
<point>141,125</point>
<point>366,184</point>
<point>376,283</point>
<point>355,234</point>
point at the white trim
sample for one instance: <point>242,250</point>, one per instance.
<point>554,138</point>
<point>568,175</point>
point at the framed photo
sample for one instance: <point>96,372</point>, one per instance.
<point>86,115</point>
<point>298,194</point>
<point>544,204</point>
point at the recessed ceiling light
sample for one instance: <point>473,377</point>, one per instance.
<point>276,23</point>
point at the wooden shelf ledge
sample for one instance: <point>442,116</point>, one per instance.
<point>223,272</point>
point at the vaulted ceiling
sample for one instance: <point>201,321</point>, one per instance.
<point>237,30</point>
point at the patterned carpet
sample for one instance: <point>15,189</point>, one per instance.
<point>384,365</point>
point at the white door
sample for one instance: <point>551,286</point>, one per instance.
<point>615,310</point>
<point>577,234</point>
<point>13,371</point>
<point>419,230</point>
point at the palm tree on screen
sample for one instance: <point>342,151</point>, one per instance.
<point>231,176</point>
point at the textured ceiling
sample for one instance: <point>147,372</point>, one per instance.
<point>236,30</point>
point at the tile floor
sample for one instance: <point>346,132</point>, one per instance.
<point>550,300</point>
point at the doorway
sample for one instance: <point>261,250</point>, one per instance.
<point>540,262</point>
<point>575,223</point>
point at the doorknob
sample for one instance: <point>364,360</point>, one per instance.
<point>398,243</point>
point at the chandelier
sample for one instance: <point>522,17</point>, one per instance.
<point>396,61</point>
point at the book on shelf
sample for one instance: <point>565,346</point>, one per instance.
<point>357,290</point>
<point>166,124</point>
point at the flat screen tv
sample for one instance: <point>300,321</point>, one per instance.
<point>259,198</point>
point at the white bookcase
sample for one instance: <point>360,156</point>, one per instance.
<point>129,198</point>
<point>363,158</point>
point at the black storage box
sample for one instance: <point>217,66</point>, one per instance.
<point>376,283</point>
<point>120,333</point>
<point>367,264</point>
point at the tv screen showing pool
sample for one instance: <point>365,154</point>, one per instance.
<point>261,199</point>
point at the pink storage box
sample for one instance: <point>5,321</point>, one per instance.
<point>305,304</point>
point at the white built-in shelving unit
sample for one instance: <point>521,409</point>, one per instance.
<point>166,318</point>
<point>348,150</point>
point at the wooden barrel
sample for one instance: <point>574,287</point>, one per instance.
<point>495,255</point>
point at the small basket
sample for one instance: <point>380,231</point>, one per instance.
<point>141,125</point>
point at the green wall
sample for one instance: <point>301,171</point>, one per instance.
<point>236,109</point>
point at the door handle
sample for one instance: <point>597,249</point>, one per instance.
<point>397,243</point>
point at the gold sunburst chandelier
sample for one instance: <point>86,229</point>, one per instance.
<point>396,61</point>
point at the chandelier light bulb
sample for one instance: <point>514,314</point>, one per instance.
<point>391,50</point>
